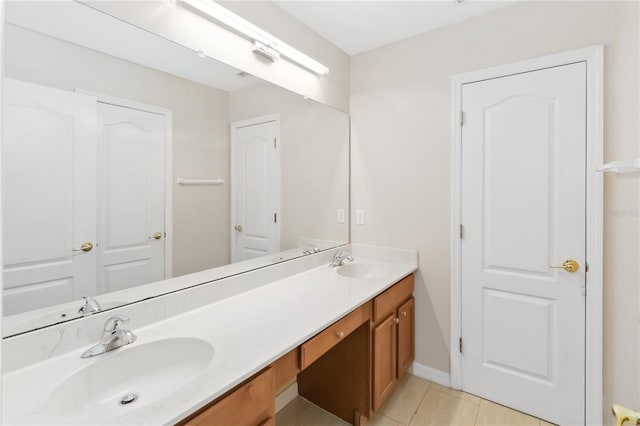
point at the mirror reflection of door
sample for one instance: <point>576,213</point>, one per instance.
<point>98,172</point>
<point>131,206</point>
<point>60,45</point>
<point>255,189</point>
<point>48,153</point>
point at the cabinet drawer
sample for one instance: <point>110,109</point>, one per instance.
<point>332,335</point>
<point>388,301</point>
<point>252,404</point>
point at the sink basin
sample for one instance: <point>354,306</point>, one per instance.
<point>360,270</point>
<point>149,371</point>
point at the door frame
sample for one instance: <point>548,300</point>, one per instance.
<point>593,57</point>
<point>235,125</point>
<point>168,165</point>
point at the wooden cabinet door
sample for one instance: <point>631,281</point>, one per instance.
<point>252,404</point>
<point>406,333</point>
<point>384,360</point>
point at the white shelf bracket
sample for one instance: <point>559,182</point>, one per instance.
<point>200,182</point>
<point>621,166</point>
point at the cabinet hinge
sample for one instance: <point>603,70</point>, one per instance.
<point>586,266</point>
<point>461,118</point>
<point>275,218</point>
<point>274,142</point>
<point>461,345</point>
<point>461,231</point>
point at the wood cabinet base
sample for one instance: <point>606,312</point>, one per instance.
<point>339,381</point>
<point>257,394</point>
<point>348,369</point>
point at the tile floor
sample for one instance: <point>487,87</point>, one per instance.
<point>416,402</point>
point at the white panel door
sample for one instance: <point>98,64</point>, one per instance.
<point>131,197</point>
<point>48,190</point>
<point>256,190</point>
<point>523,210</point>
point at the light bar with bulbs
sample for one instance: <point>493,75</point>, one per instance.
<point>264,43</point>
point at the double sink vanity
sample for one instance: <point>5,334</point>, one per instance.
<point>149,279</point>
<point>345,332</point>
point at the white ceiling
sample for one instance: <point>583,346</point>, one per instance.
<point>357,26</point>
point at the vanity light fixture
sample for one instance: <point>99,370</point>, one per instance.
<point>266,51</point>
<point>265,44</point>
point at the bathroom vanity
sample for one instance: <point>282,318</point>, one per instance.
<point>349,368</point>
<point>149,236</point>
<point>345,333</point>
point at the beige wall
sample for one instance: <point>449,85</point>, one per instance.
<point>314,157</point>
<point>400,106</point>
<point>200,131</point>
<point>182,25</point>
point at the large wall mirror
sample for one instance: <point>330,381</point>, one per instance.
<point>130,162</point>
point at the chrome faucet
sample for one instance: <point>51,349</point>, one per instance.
<point>339,258</point>
<point>112,338</point>
<point>311,249</point>
<point>90,306</point>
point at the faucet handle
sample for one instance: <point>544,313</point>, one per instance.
<point>89,306</point>
<point>115,322</point>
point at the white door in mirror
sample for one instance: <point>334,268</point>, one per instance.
<point>255,188</point>
<point>130,197</point>
<point>49,204</point>
<point>523,210</point>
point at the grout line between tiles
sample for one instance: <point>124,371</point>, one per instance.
<point>420,403</point>
<point>475,421</point>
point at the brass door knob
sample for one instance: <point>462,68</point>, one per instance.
<point>624,414</point>
<point>396,320</point>
<point>238,228</point>
<point>340,334</point>
<point>568,265</point>
<point>84,247</point>
<point>156,236</point>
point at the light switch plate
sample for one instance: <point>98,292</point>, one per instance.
<point>341,217</point>
<point>360,217</point>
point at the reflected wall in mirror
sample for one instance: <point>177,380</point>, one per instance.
<point>129,160</point>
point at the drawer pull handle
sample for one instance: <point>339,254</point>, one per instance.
<point>340,334</point>
<point>396,320</point>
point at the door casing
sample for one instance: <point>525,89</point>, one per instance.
<point>168,171</point>
<point>593,57</point>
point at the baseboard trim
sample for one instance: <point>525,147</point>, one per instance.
<point>286,396</point>
<point>431,374</point>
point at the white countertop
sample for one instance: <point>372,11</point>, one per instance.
<point>248,332</point>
